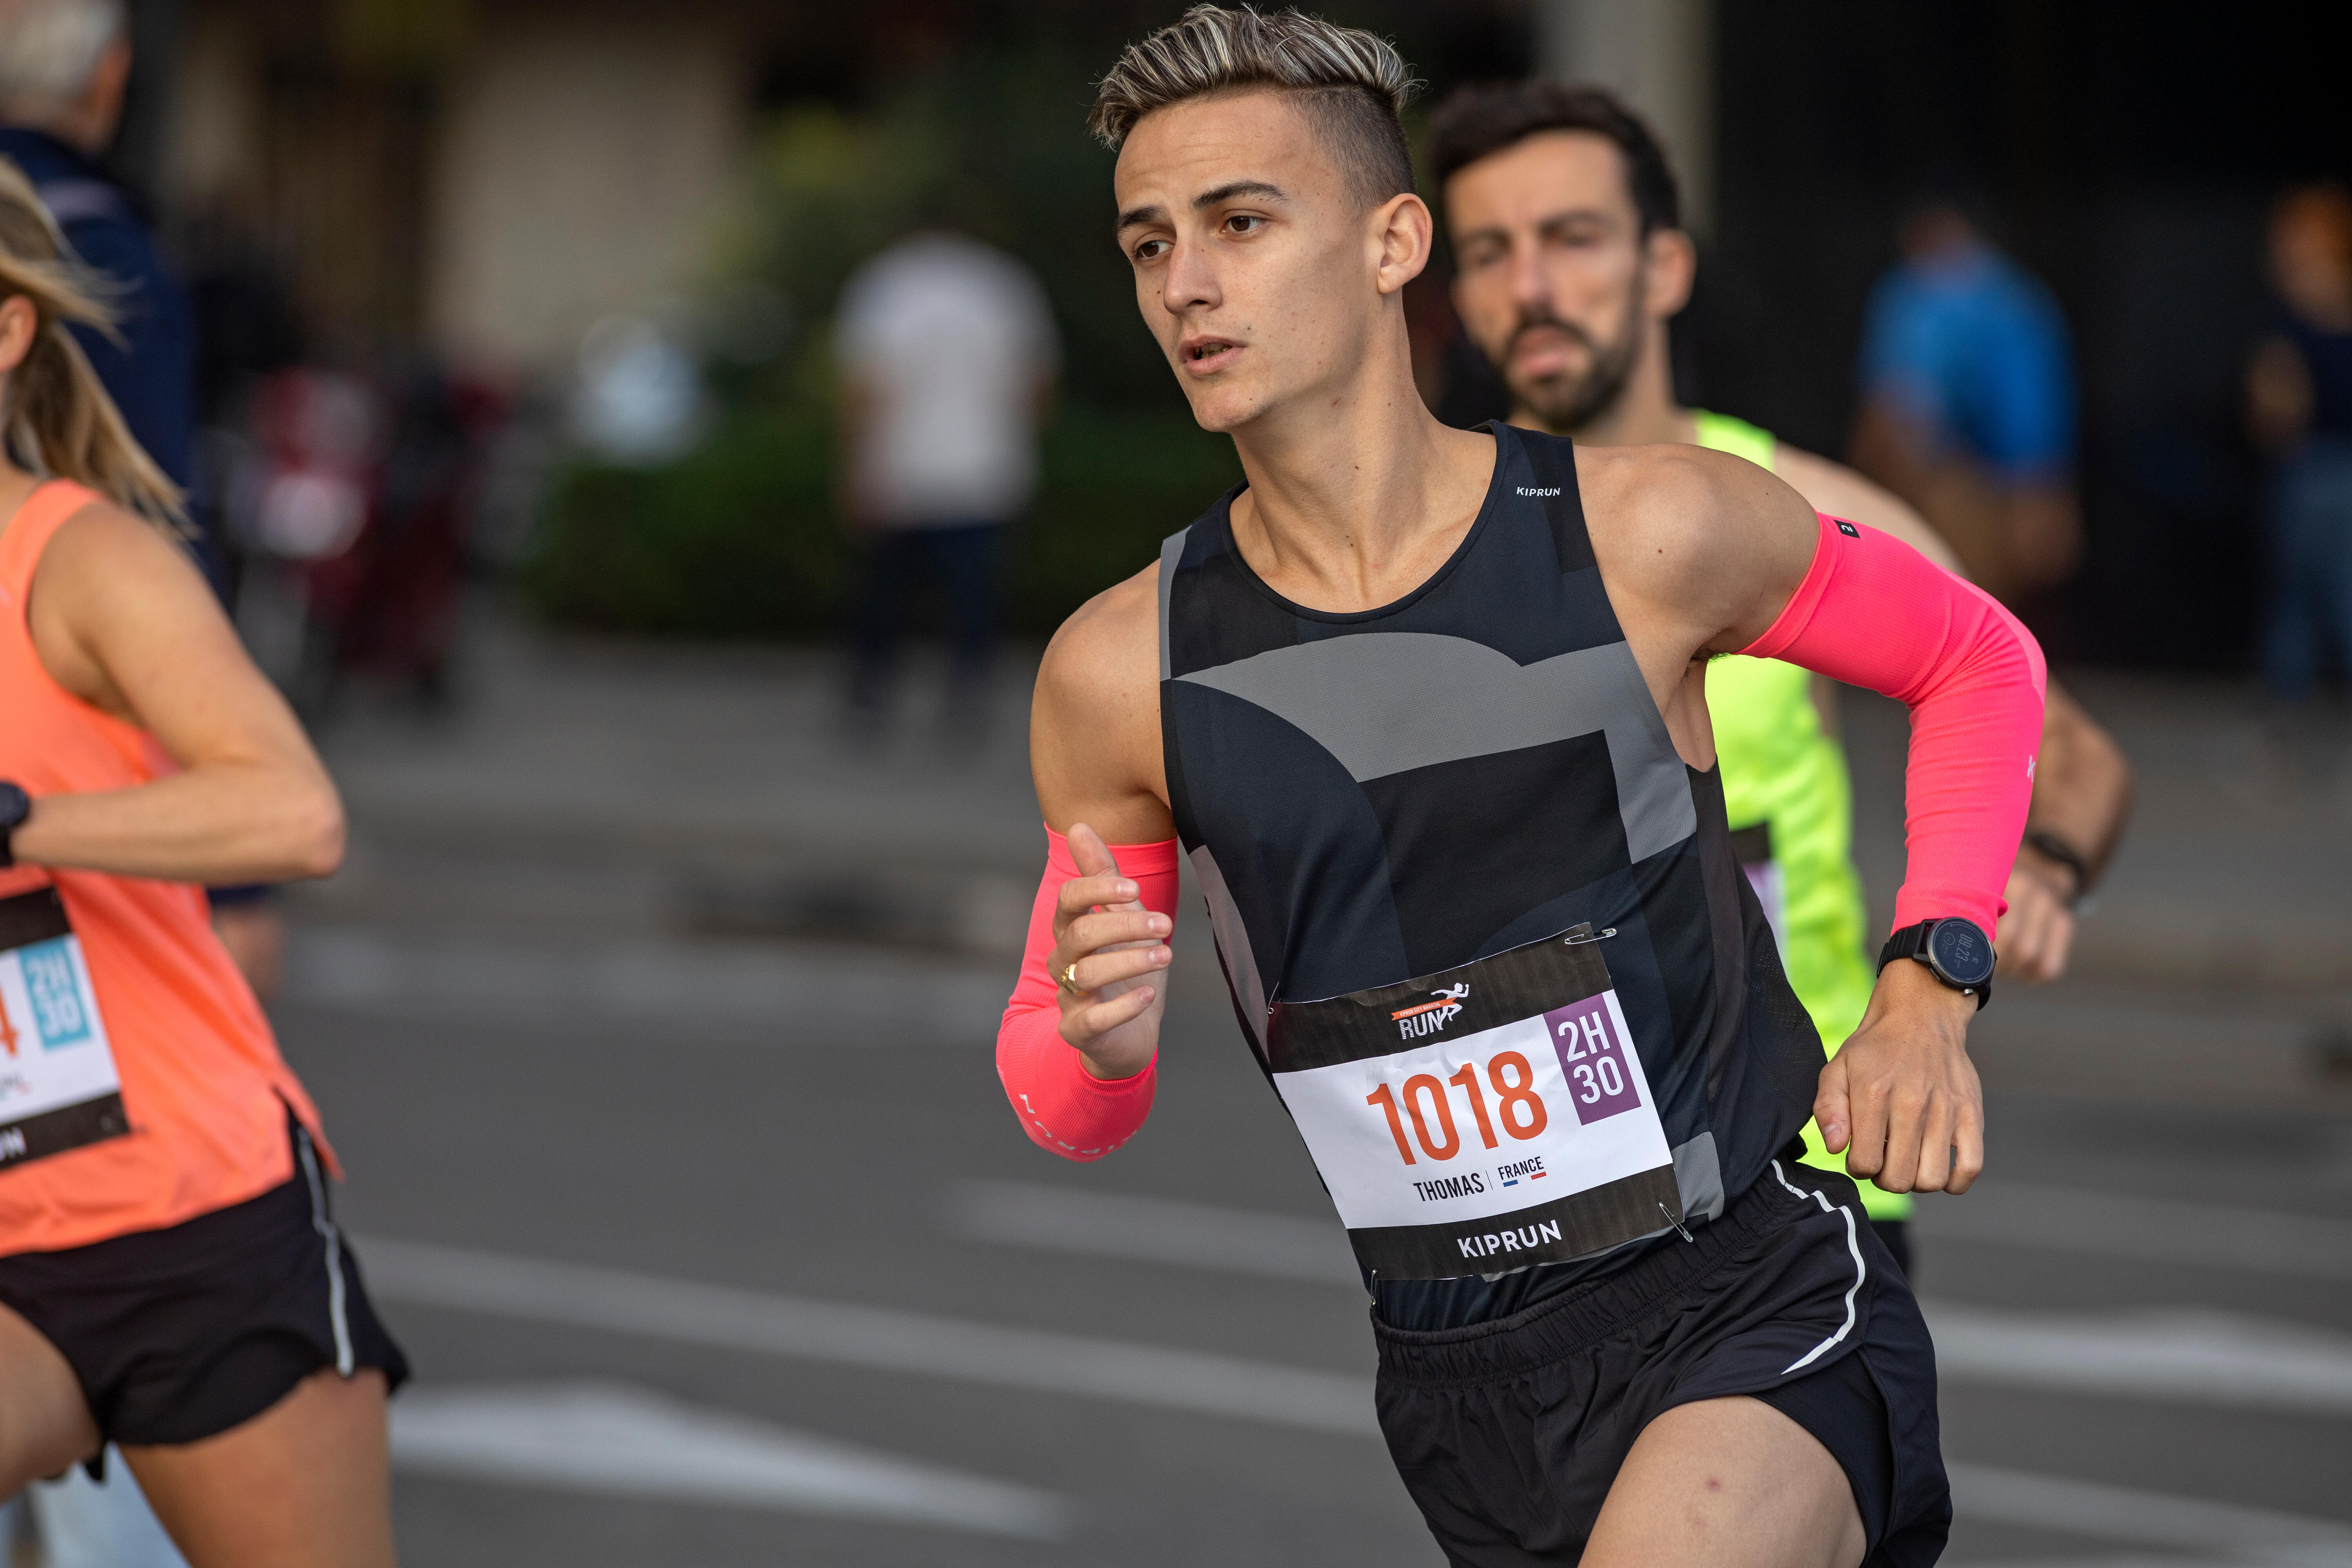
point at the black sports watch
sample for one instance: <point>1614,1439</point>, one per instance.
<point>1957,951</point>
<point>14,806</point>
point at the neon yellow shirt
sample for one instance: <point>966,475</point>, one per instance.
<point>1783,775</point>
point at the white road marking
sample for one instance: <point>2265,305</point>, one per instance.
<point>2200,1358</point>
<point>797,992</point>
<point>2148,1230</point>
<point>2205,1358</point>
<point>613,1440</point>
<point>877,1337</point>
<point>1154,1230</point>
<point>2241,1535</point>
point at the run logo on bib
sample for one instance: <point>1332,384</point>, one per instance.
<point>59,1090</point>
<point>1482,1120</point>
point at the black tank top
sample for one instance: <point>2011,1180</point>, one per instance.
<point>1374,796</point>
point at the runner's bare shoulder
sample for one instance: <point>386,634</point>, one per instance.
<point>1095,725</point>
<point>107,573</point>
<point>1686,538</point>
<point>1107,652</point>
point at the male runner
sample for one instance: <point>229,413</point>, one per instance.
<point>1426,709</point>
<point>1569,261</point>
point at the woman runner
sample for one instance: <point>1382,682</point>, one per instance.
<point>170,1279</point>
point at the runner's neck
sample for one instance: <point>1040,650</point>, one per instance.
<point>1357,513</point>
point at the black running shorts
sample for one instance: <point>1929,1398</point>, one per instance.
<point>182,1333</point>
<point>1508,1433</point>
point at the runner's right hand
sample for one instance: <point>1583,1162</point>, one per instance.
<point>1101,926</point>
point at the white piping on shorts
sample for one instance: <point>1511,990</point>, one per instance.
<point>1853,1245</point>
<point>326,1227</point>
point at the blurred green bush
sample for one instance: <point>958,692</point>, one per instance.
<point>739,539</point>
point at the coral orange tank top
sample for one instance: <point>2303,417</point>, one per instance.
<point>204,1092</point>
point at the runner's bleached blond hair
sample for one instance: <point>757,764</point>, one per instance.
<point>57,419</point>
<point>1353,84</point>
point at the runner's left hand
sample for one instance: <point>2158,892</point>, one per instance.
<point>2038,932</point>
<point>1901,1100</point>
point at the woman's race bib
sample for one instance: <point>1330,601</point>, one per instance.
<point>1480,1119</point>
<point>58,1084</point>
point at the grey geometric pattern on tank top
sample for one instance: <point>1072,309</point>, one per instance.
<point>1170,553</point>
<point>1698,1173</point>
<point>1233,941</point>
<point>1386,702</point>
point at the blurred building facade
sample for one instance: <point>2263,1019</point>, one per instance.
<point>489,178</point>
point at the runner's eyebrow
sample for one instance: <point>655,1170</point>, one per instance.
<point>1226,192</point>
<point>1136,217</point>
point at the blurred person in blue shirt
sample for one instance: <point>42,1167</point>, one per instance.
<point>1968,409</point>
<point>2299,390</point>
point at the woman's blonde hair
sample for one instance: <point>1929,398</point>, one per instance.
<point>57,419</point>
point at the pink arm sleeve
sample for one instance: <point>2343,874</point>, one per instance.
<point>1066,1110</point>
<point>1872,612</point>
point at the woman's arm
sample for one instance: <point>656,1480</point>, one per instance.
<point>120,619</point>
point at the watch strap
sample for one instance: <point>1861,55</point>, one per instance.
<point>1911,942</point>
<point>14,806</point>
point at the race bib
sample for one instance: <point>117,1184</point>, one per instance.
<point>1480,1119</point>
<point>58,1084</point>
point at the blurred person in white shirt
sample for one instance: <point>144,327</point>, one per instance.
<point>947,356</point>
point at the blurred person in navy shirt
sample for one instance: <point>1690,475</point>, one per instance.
<point>65,66</point>
<point>2299,390</point>
<point>1968,409</point>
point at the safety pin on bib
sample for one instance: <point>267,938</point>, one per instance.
<point>1676,1224</point>
<point>1571,941</point>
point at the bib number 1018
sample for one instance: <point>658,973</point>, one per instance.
<point>1426,1101</point>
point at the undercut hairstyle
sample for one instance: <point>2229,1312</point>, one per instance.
<point>1352,85</point>
<point>1475,123</point>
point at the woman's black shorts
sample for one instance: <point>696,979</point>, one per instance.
<point>182,1333</point>
<point>1508,1433</point>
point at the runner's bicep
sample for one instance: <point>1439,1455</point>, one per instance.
<point>1765,542</point>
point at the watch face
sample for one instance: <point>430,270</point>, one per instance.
<point>1960,951</point>
<point>14,805</point>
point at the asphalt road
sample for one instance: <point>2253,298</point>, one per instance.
<point>721,1249</point>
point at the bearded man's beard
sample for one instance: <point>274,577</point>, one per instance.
<point>1571,403</point>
